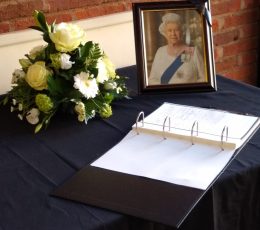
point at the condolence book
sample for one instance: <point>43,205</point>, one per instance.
<point>180,144</point>
<point>165,164</point>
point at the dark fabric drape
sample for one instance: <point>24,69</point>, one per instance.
<point>31,166</point>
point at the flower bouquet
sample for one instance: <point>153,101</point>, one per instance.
<point>67,74</point>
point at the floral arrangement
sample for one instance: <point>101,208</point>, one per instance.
<point>68,73</point>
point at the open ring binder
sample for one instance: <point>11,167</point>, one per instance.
<point>178,173</point>
<point>169,119</point>
<point>222,136</point>
<point>189,150</point>
<point>137,120</point>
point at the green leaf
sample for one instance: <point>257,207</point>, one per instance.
<point>68,75</point>
<point>38,128</point>
<point>50,49</point>
<point>89,53</point>
<point>94,54</point>
<point>93,71</point>
<point>75,94</point>
<point>42,21</point>
<point>4,101</point>
<point>23,93</point>
<point>58,87</point>
<point>84,50</point>
<point>91,105</point>
<point>52,26</point>
<point>36,28</point>
<point>46,38</point>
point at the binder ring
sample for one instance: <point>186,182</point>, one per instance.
<point>222,136</point>
<point>169,119</point>
<point>195,123</point>
<point>137,119</point>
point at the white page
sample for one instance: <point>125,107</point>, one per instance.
<point>176,159</point>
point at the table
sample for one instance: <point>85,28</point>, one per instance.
<point>32,166</point>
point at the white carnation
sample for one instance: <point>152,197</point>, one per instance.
<point>86,85</point>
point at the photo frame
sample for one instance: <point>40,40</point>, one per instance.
<point>174,47</point>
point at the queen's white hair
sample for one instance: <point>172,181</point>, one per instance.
<point>167,18</point>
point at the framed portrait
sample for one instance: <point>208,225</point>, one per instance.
<point>174,48</point>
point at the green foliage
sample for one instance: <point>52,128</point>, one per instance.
<point>38,127</point>
<point>41,21</point>
<point>23,93</point>
<point>4,101</point>
<point>36,28</point>
<point>94,54</point>
<point>58,87</point>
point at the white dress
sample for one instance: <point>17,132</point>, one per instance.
<point>191,71</point>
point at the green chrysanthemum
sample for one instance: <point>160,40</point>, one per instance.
<point>55,60</point>
<point>43,102</point>
<point>105,111</point>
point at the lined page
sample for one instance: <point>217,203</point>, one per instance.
<point>211,122</point>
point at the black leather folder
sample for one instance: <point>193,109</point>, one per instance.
<point>146,198</point>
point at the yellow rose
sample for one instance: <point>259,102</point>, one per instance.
<point>67,37</point>
<point>37,76</point>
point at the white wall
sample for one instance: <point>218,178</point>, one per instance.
<point>113,32</point>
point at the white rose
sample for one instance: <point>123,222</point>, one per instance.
<point>33,116</point>
<point>67,37</point>
<point>65,62</point>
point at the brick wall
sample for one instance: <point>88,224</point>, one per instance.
<point>236,27</point>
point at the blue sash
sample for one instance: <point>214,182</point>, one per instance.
<point>171,70</point>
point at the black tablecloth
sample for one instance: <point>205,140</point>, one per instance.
<point>32,166</point>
